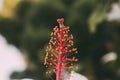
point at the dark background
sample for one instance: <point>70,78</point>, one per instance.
<point>30,27</point>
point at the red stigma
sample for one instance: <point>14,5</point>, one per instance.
<point>60,21</point>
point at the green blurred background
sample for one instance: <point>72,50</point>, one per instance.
<point>28,23</point>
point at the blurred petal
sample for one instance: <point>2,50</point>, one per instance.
<point>72,76</point>
<point>11,59</point>
<point>111,56</point>
<point>114,14</point>
<point>77,76</point>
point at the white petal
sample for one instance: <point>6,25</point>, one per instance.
<point>77,76</point>
<point>11,59</point>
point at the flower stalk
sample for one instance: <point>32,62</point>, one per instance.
<point>59,51</point>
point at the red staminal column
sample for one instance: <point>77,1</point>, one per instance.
<point>59,66</point>
<point>59,50</point>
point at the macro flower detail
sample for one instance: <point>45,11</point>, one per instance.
<point>59,52</point>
